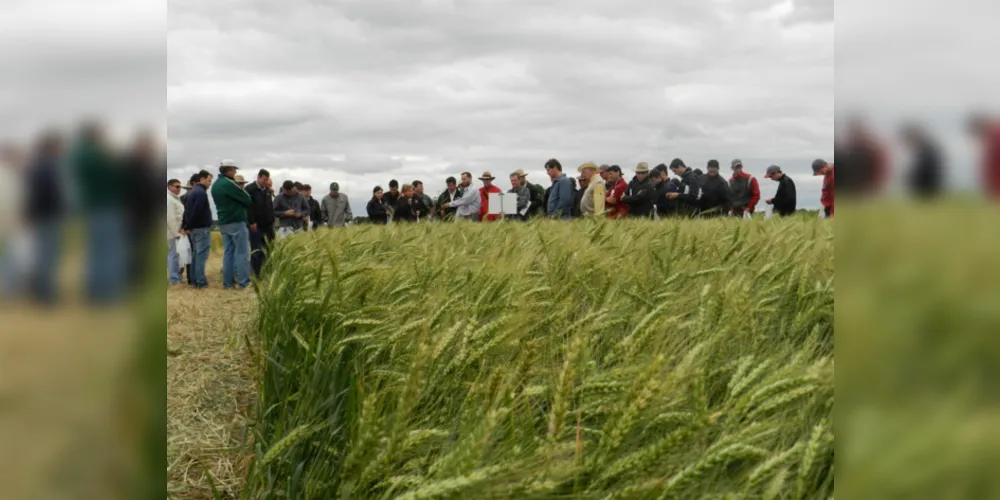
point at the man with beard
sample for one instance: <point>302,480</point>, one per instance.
<point>468,204</point>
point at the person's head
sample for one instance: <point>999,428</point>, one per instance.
<point>603,171</point>
<point>487,179</point>
<point>820,166</point>
<point>774,173</point>
<point>334,189</point>
<point>588,170</point>
<point>451,183</point>
<point>522,178</point>
<point>678,167</point>
<point>659,174</point>
<point>407,191</point>
<point>614,173</point>
<point>174,186</point>
<point>572,183</point>
<point>307,190</point>
<point>240,180</point>
<point>228,168</point>
<point>466,179</point>
<point>514,181</point>
<point>394,186</point>
<point>418,188</point>
<point>377,193</point>
<point>583,181</point>
<point>736,166</point>
<point>204,178</point>
<point>642,171</point>
<point>288,188</point>
<point>713,168</point>
<point>299,187</point>
<point>553,168</point>
<point>263,178</point>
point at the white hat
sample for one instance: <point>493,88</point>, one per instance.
<point>227,163</point>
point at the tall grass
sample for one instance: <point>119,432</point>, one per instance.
<point>676,359</point>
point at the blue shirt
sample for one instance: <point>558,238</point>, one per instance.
<point>561,198</point>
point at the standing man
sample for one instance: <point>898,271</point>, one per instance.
<point>315,213</point>
<point>743,189</point>
<point>261,218</point>
<point>467,206</point>
<point>523,195</point>
<point>537,195</point>
<point>45,210</point>
<point>175,215</point>
<point>925,173</point>
<point>821,167</point>
<point>393,195</point>
<point>784,199</point>
<point>449,195</point>
<point>232,204</point>
<point>617,190</point>
<point>714,192</point>
<point>594,194</point>
<point>560,204</point>
<point>639,197</point>
<point>688,196</point>
<point>291,210</point>
<point>422,202</point>
<point>484,198</point>
<point>336,208</point>
<point>197,222</point>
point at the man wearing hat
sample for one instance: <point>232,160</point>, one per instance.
<point>744,190</point>
<point>821,167</point>
<point>336,208</point>
<point>522,192</point>
<point>484,198</point>
<point>639,195</point>
<point>231,205</point>
<point>715,196</point>
<point>592,201</point>
<point>784,199</point>
<point>537,194</point>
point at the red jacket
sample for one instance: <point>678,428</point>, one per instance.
<point>827,197</point>
<point>991,164</point>
<point>619,209</point>
<point>484,203</point>
<point>754,190</point>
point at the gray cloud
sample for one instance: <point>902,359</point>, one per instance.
<point>361,92</point>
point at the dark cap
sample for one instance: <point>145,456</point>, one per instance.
<point>288,185</point>
<point>818,164</point>
<point>773,169</point>
<point>713,163</point>
<point>334,186</point>
<point>677,163</point>
<point>615,168</point>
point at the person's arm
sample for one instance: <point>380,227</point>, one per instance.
<point>566,199</point>
<point>174,216</point>
<point>323,212</point>
<point>186,217</point>
<point>463,201</point>
<point>553,205</point>
<point>280,208</point>
<point>523,196</point>
<point>754,194</point>
<point>600,194</point>
<point>348,216</point>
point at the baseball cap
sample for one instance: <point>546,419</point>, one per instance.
<point>818,164</point>
<point>736,163</point>
<point>334,186</point>
<point>603,168</point>
<point>713,164</point>
<point>615,168</point>
<point>773,169</point>
<point>227,164</point>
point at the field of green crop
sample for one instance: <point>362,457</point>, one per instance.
<point>590,360</point>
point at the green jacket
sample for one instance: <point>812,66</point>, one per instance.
<point>99,176</point>
<point>231,202</point>
<point>449,213</point>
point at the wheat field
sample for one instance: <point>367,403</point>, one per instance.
<point>590,360</point>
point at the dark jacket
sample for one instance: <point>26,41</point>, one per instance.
<point>261,211</point>
<point>445,197</point>
<point>665,207</point>
<point>714,196</point>
<point>46,198</point>
<point>297,204</point>
<point>315,214</point>
<point>784,199</point>
<point>689,201</point>
<point>378,213</point>
<point>390,199</point>
<point>423,204</point>
<point>639,197</point>
<point>197,211</point>
<point>539,200</point>
<point>404,210</point>
<point>577,199</point>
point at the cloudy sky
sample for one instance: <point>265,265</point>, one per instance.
<point>361,92</point>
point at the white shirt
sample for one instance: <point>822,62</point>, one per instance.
<point>468,204</point>
<point>175,214</point>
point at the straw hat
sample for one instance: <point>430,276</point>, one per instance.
<point>520,173</point>
<point>487,176</point>
<point>588,166</point>
<point>240,180</point>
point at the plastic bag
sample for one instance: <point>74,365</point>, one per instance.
<point>183,247</point>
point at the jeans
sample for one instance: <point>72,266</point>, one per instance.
<point>260,245</point>
<point>235,255</point>
<point>107,255</point>
<point>48,237</point>
<point>201,244</point>
<point>173,262</point>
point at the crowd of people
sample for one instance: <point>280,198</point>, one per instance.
<point>250,216</point>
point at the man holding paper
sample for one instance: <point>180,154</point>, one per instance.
<point>523,195</point>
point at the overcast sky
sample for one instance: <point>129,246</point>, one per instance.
<point>360,92</point>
